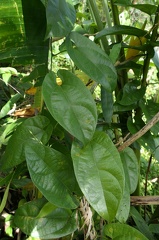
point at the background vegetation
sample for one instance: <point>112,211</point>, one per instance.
<point>79,119</point>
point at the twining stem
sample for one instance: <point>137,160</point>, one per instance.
<point>140,133</point>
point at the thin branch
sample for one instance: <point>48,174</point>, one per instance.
<point>140,133</point>
<point>144,200</point>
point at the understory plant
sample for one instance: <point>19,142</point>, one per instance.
<point>75,111</point>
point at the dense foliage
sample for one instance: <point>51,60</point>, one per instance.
<point>77,110</point>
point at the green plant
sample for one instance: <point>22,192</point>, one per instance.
<point>72,162</point>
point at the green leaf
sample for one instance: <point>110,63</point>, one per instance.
<point>71,104</point>
<point>5,196</point>
<point>22,32</point>
<point>38,73</point>
<point>52,173</point>
<point>114,53</point>
<point>154,228</point>
<point>131,169</point>
<point>8,106</point>
<point>92,60</point>
<point>123,29</point>
<point>124,207</point>
<point>118,231</point>
<point>35,128</point>
<point>56,224</point>
<point>61,17</point>
<point>150,109</point>
<point>141,223</point>
<point>107,105</point>
<point>147,8</point>
<point>100,175</point>
<point>132,92</point>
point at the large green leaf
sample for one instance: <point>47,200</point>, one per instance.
<point>71,104</point>
<point>123,29</point>
<point>22,32</point>
<point>38,128</point>
<point>52,173</point>
<point>61,17</point>
<point>131,169</point>
<point>41,220</point>
<point>100,175</point>
<point>92,60</point>
<point>119,231</point>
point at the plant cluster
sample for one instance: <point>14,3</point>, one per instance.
<point>76,108</point>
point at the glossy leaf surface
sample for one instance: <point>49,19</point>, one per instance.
<point>52,173</point>
<point>35,128</point>
<point>100,175</point>
<point>122,232</point>
<point>71,104</point>
<point>61,17</point>
<point>40,220</point>
<point>92,60</point>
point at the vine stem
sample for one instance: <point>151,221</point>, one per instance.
<point>140,133</point>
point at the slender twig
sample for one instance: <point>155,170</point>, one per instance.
<point>140,133</point>
<point>144,200</point>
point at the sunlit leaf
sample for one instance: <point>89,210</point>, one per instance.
<point>37,220</point>
<point>100,175</point>
<point>71,104</point>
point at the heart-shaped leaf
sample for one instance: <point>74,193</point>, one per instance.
<point>71,104</point>
<point>41,220</point>
<point>100,175</point>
